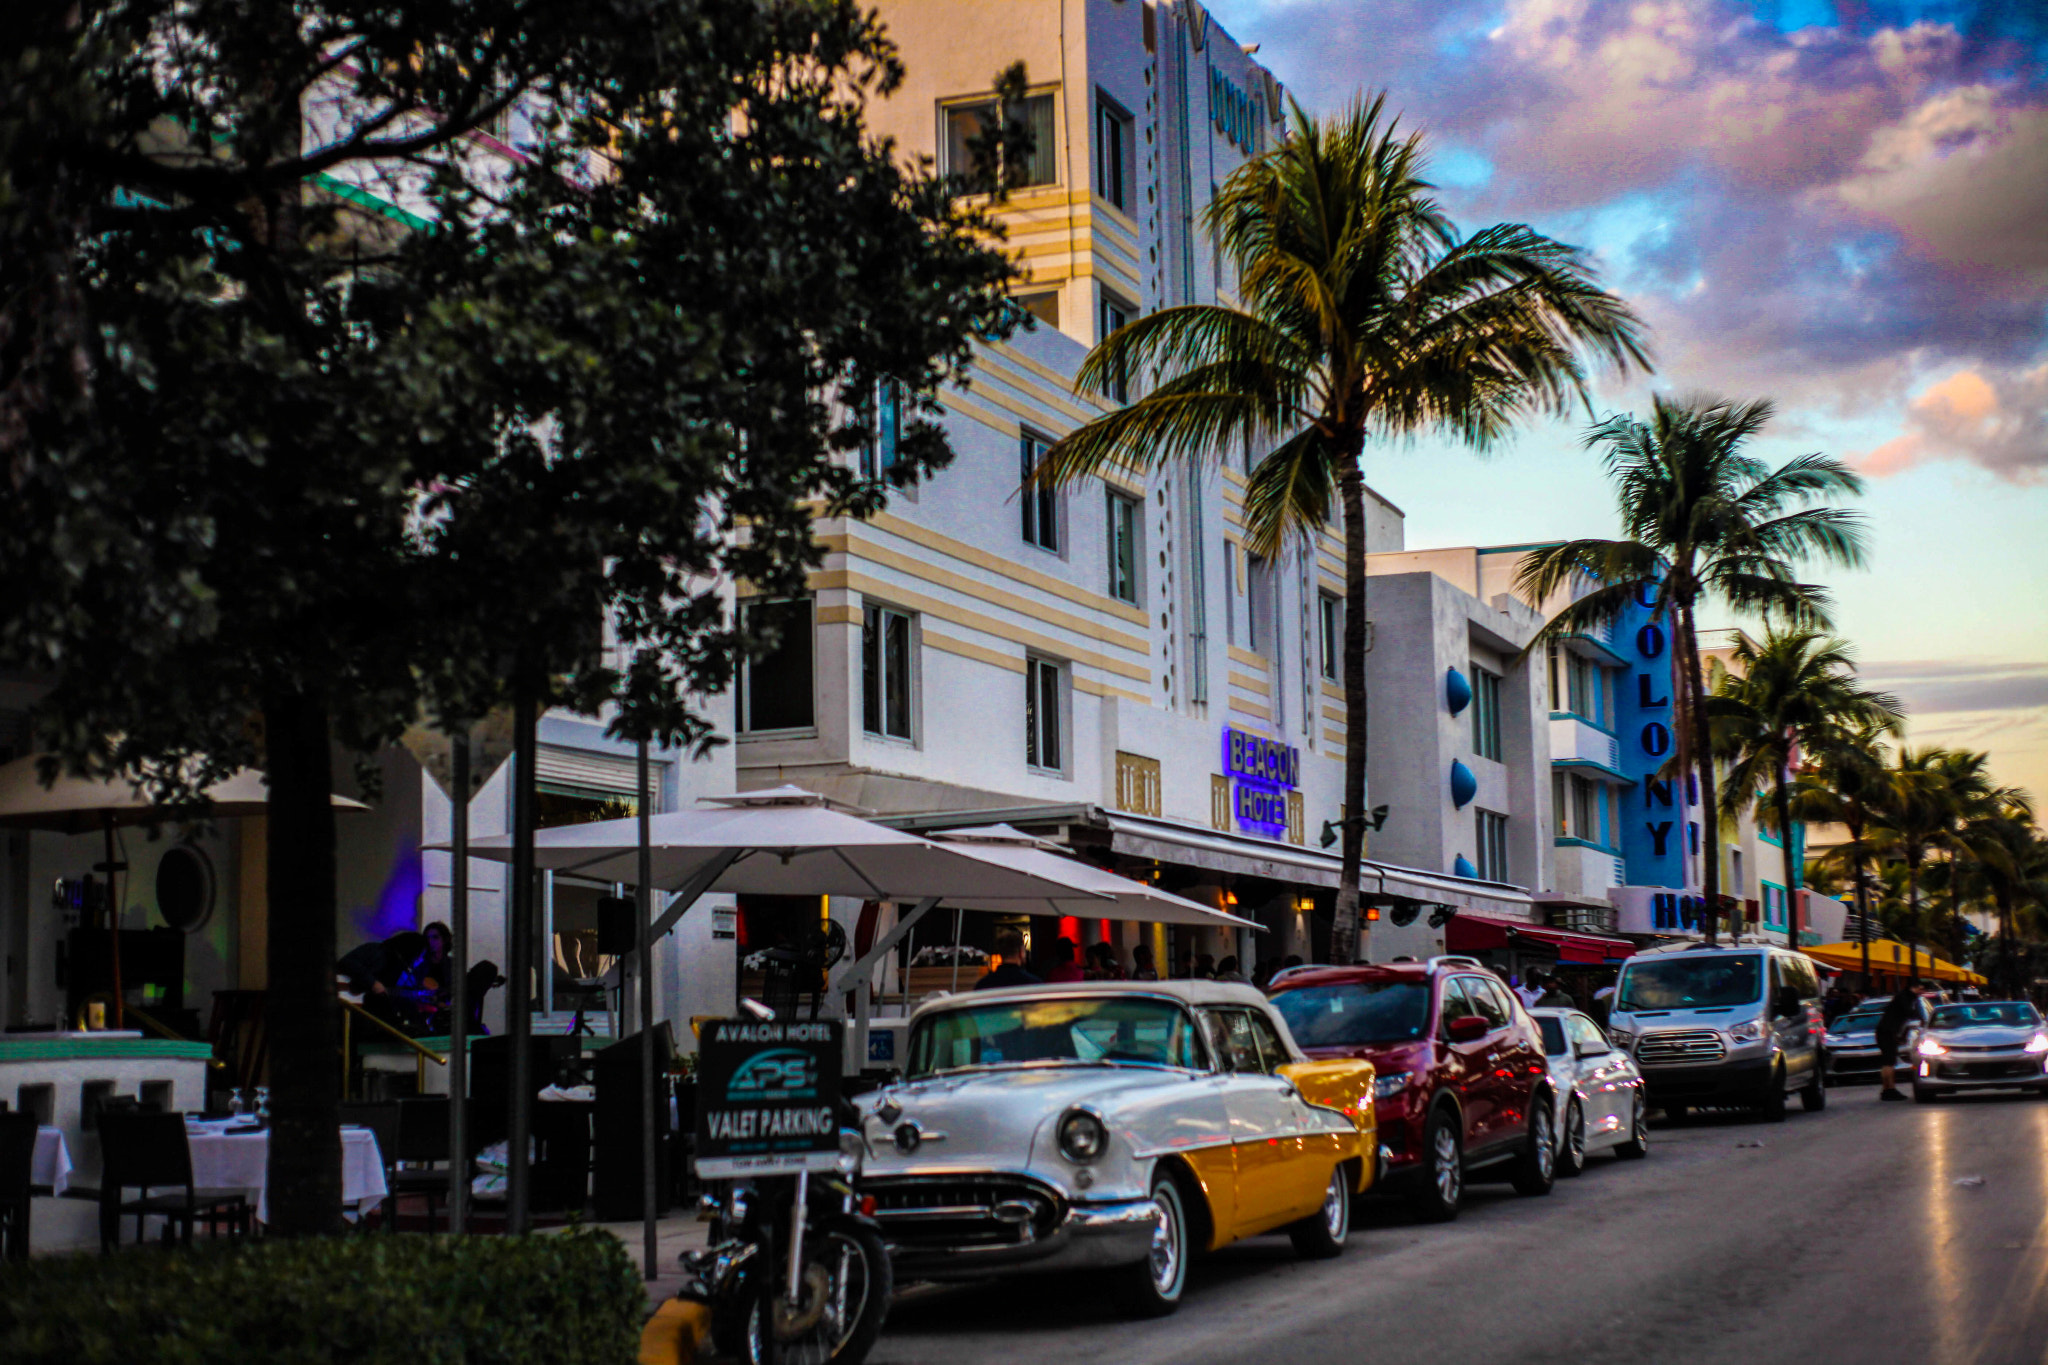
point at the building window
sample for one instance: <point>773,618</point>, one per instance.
<point>1123,547</point>
<point>1042,707</point>
<point>1586,809</point>
<point>1493,846</point>
<point>1485,713</point>
<point>885,419</point>
<point>887,652</point>
<point>1330,634</point>
<point>1258,606</point>
<point>1582,689</point>
<point>1113,152</point>
<point>1041,503</point>
<point>775,689</point>
<point>1116,315</point>
<point>1043,304</point>
<point>969,121</point>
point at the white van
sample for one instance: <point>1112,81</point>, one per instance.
<point>1721,1026</point>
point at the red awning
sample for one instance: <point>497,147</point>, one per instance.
<point>1474,934</point>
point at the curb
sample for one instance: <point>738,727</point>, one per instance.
<point>676,1332</point>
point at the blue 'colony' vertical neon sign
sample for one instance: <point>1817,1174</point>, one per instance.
<point>1657,835</point>
<point>1262,772</point>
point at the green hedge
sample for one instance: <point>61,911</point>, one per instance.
<point>369,1299</point>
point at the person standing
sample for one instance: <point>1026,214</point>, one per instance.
<point>1064,969</point>
<point>1227,970</point>
<point>1531,989</point>
<point>1898,1015</point>
<point>1141,964</point>
<point>1009,967</point>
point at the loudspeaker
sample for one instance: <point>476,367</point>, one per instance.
<point>618,933</point>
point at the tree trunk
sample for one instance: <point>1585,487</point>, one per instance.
<point>1862,895</point>
<point>1703,756</point>
<point>519,953</point>
<point>1913,917</point>
<point>1782,800</point>
<point>1345,940</point>
<point>300,1009</point>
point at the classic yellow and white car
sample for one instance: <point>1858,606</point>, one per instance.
<point>1115,1124</point>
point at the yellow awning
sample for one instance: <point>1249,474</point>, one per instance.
<point>1890,956</point>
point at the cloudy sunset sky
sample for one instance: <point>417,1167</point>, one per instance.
<point>1842,207</point>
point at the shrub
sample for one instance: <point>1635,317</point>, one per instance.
<point>370,1299</point>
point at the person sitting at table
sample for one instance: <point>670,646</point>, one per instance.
<point>425,988</point>
<point>372,970</point>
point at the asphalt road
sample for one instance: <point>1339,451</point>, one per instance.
<point>1860,1234</point>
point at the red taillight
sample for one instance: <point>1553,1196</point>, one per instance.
<point>867,1206</point>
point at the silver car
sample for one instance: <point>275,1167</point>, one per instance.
<point>1598,1091</point>
<point>1984,1045</point>
<point>1853,1053</point>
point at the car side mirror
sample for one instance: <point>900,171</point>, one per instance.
<point>1592,1050</point>
<point>1467,1028</point>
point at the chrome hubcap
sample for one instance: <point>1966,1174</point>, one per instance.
<point>1165,1246</point>
<point>1447,1174</point>
<point>1336,1213</point>
<point>1546,1149</point>
<point>1576,1136</point>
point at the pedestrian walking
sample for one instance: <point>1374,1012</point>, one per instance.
<point>1891,1028</point>
<point>1531,989</point>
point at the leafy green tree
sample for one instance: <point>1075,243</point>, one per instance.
<point>1365,315</point>
<point>1838,783</point>
<point>2011,871</point>
<point>1702,522</point>
<point>360,359</point>
<point>1779,699</point>
<point>1925,796</point>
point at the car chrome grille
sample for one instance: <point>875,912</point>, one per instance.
<point>1972,1070</point>
<point>934,1212</point>
<point>1680,1045</point>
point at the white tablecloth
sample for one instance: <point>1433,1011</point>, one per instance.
<point>241,1161</point>
<point>51,1164</point>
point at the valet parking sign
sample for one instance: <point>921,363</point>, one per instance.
<point>768,1097</point>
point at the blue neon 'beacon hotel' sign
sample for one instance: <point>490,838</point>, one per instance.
<point>1262,772</point>
<point>1657,831</point>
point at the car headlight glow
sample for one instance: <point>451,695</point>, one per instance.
<point>1834,1040</point>
<point>1622,1038</point>
<point>1393,1083</point>
<point>1749,1032</point>
<point>1082,1137</point>
<point>2038,1043</point>
<point>1929,1048</point>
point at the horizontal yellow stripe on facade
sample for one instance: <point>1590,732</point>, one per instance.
<point>994,596</point>
<point>1101,689</point>
<point>953,402</point>
<point>1060,382</point>
<point>1332,737</point>
<point>1331,689</point>
<point>983,559</point>
<point>1250,708</point>
<point>1250,660</point>
<point>1257,685</point>
<point>1336,713</point>
<point>1065,407</point>
<point>839,616</point>
<point>968,650</point>
<point>825,579</point>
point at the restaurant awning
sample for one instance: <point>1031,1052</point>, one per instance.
<point>1893,958</point>
<point>1477,934</point>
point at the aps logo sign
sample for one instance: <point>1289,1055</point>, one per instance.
<point>770,1077</point>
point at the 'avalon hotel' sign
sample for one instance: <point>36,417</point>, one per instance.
<point>1262,772</point>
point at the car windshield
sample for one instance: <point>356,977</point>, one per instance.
<point>1100,1030</point>
<point>1858,1023</point>
<point>1683,982</point>
<point>1356,1012</point>
<point>1553,1034</point>
<point>2011,1013</point>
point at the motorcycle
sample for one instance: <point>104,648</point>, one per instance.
<point>796,1272</point>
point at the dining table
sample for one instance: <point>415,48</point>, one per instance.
<point>234,1154</point>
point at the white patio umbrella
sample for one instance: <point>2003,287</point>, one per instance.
<point>89,805</point>
<point>1113,896</point>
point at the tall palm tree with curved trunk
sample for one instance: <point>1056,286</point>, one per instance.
<point>1702,523</point>
<point>1839,784</point>
<point>1782,696</point>
<point>1926,795</point>
<point>1365,315</point>
<point>2011,869</point>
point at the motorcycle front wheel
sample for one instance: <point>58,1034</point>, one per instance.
<point>838,1310</point>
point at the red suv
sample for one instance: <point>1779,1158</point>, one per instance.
<point>1463,1088</point>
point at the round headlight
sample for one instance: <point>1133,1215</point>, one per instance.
<point>1082,1137</point>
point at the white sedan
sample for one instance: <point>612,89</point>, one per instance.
<point>1599,1092</point>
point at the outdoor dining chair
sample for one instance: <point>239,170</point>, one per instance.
<point>149,1152</point>
<point>17,1161</point>
<point>418,1154</point>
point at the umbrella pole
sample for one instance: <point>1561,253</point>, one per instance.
<point>643,923</point>
<point>957,913</point>
<point>114,924</point>
<point>458,964</point>
<point>519,934</point>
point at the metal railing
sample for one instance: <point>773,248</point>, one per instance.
<point>350,1011</point>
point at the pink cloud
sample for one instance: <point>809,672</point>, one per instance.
<point>1999,423</point>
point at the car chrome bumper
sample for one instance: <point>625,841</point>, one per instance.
<point>1946,1078</point>
<point>1091,1234</point>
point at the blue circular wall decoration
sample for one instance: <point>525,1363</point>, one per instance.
<point>1463,868</point>
<point>1457,692</point>
<point>1464,786</point>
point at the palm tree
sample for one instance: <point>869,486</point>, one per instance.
<point>1364,314</point>
<point>1839,784</point>
<point>1791,691</point>
<point>1924,794</point>
<point>1702,522</point>
<point>2011,870</point>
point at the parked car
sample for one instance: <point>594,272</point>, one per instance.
<point>1464,1090</point>
<point>1984,1045</point>
<point>1722,1026</point>
<point>1852,1051</point>
<point>1598,1091</point>
<point>1120,1125</point>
